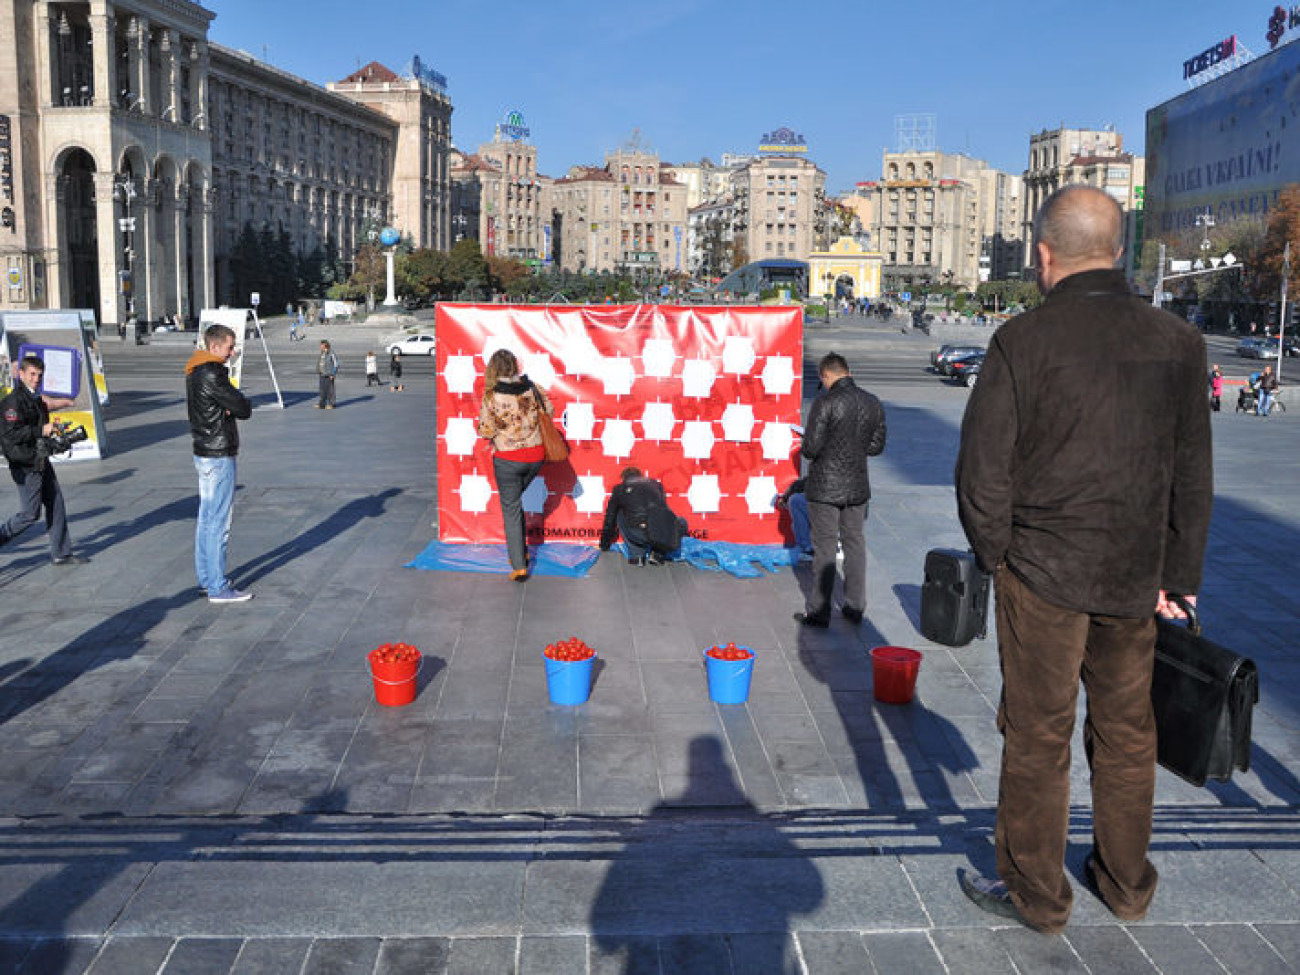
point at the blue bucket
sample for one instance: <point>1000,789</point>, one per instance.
<point>729,679</point>
<point>569,681</point>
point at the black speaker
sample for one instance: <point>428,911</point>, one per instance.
<point>954,598</point>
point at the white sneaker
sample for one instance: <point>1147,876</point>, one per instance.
<point>229,595</point>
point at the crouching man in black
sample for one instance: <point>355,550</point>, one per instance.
<point>24,423</point>
<point>638,511</point>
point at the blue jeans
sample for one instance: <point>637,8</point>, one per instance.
<point>633,537</point>
<point>212,533</point>
<point>799,523</point>
<point>1265,403</point>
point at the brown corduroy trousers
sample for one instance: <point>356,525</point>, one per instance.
<point>1045,651</point>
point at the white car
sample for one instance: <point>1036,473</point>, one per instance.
<point>422,344</point>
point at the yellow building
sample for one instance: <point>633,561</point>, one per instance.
<point>847,269</point>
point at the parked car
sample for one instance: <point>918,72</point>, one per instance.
<point>967,368</point>
<point>942,359</point>
<point>422,344</point>
<point>1253,348</point>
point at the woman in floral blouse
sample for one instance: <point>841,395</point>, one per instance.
<point>510,416</point>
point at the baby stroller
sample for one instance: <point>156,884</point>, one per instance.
<point>1247,399</point>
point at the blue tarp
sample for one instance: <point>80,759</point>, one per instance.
<point>574,561</point>
<point>550,559</point>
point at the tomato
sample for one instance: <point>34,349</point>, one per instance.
<point>729,652</point>
<point>571,650</point>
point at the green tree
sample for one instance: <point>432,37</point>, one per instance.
<point>422,273</point>
<point>466,268</point>
<point>246,264</point>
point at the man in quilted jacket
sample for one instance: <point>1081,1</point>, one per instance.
<point>846,425</point>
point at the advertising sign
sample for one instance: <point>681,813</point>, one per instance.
<point>91,331</point>
<point>58,338</point>
<point>1219,147</point>
<point>703,399</point>
<point>235,319</point>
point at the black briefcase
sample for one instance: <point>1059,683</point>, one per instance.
<point>1203,695</point>
<point>954,598</point>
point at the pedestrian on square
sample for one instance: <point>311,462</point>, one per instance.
<point>214,406</point>
<point>1084,486</point>
<point>327,367</point>
<point>24,425</point>
<point>1216,389</point>
<point>1267,388</point>
<point>638,511</point>
<point>513,410</point>
<point>846,425</point>
<point>395,371</point>
<point>372,370</point>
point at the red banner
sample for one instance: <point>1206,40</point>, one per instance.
<point>702,399</point>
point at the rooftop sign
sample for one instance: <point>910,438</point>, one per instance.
<point>1280,21</point>
<point>782,142</point>
<point>513,127</point>
<point>1223,51</point>
<point>427,76</point>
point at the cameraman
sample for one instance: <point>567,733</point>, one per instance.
<point>24,424</point>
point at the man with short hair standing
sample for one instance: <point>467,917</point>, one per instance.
<point>1084,485</point>
<point>846,425</point>
<point>214,407</point>
<point>24,422</point>
<point>327,367</point>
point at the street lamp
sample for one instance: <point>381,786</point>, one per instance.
<point>124,190</point>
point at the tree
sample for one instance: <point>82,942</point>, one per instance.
<point>502,271</point>
<point>422,273</point>
<point>1283,227</point>
<point>246,264</point>
<point>466,268</point>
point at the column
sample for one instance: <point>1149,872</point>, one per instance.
<point>207,256</point>
<point>198,84</point>
<point>103,51</point>
<point>139,60</point>
<point>45,54</point>
<point>110,249</point>
<point>169,104</point>
<point>180,205</point>
<point>56,283</point>
<point>131,83</point>
<point>146,250</point>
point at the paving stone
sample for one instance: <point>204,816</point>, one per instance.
<point>971,951</point>
<point>271,956</point>
<point>413,956</point>
<point>834,951</point>
<point>1108,949</point>
<point>1240,948</point>
<point>130,956</point>
<point>548,955</point>
<point>202,956</point>
<point>1284,939</point>
<point>908,952</point>
<point>342,956</point>
<point>474,956</point>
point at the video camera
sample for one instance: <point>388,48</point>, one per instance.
<point>59,442</point>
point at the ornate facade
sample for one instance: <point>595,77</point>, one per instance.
<point>133,151</point>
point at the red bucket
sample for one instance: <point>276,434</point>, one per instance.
<point>893,673</point>
<point>394,679</point>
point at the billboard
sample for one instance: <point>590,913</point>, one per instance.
<point>70,355</point>
<point>703,399</point>
<point>1224,147</point>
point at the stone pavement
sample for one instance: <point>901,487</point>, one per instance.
<point>191,788</point>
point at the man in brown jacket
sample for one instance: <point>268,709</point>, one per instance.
<point>1084,483</point>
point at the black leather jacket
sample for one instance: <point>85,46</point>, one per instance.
<point>214,406</point>
<point>23,415</point>
<point>846,425</point>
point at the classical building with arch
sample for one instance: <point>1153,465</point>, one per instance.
<point>133,151</point>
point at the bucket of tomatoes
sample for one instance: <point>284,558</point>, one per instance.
<point>394,668</point>
<point>568,671</point>
<point>729,668</point>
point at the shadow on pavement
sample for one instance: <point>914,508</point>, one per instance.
<point>678,883</point>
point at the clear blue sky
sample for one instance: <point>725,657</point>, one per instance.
<point>702,77</point>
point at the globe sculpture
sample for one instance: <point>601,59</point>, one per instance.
<point>389,236</point>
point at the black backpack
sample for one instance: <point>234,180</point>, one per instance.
<point>663,529</point>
